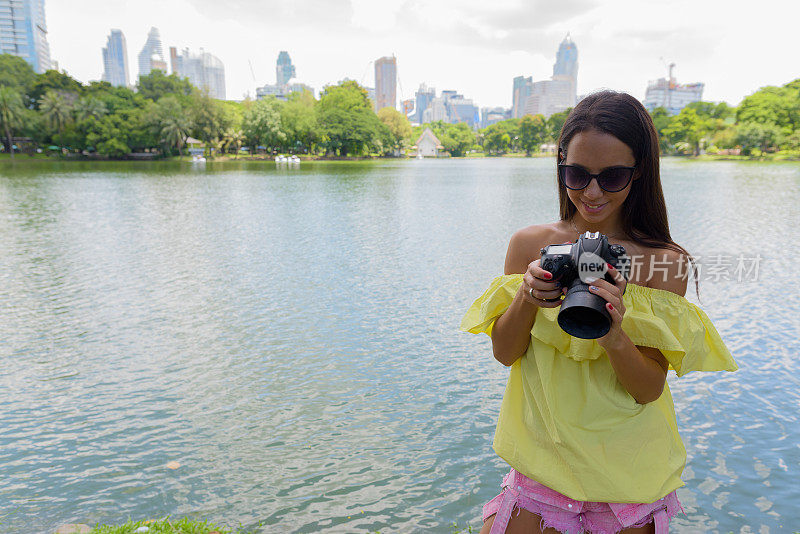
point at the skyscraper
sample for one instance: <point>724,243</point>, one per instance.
<point>23,32</point>
<point>284,70</point>
<point>566,67</point>
<point>203,70</point>
<point>152,55</point>
<point>424,96</point>
<point>115,60</point>
<point>386,83</point>
<point>519,95</point>
<point>549,96</point>
<point>566,59</point>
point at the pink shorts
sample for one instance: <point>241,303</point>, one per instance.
<point>568,515</point>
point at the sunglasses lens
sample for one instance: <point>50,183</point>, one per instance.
<point>614,179</point>
<point>574,177</point>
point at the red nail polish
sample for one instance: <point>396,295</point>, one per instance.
<point>609,265</point>
<point>610,307</point>
<point>548,275</point>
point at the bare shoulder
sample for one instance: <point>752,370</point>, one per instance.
<point>669,270</point>
<point>525,245</point>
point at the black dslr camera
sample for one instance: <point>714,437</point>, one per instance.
<point>583,314</point>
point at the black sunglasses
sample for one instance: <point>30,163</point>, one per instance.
<point>612,179</point>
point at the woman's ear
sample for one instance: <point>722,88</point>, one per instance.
<point>561,156</point>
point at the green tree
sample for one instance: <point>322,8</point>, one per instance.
<point>57,82</point>
<point>555,122</point>
<point>217,145</point>
<point>398,124</point>
<point>234,138</point>
<point>661,119</point>
<point>89,106</point>
<point>457,139</point>
<point>687,127</point>
<point>725,136</point>
<point>16,73</point>
<point>754,135</point>
<point>175,131</point>
<point>114,98</point>
<point>171,122</point>
<point>532,132</point>
<point>157,84</point>
<point>299,121</point>
<point>208,117</point>
<point>709,110</point>
<point>496,141</point>
<point>56,111</point>
<point>772,105</point>
<point>347,121</point>
<point>113,134</point>
<point>11,112</point>
<point>261,124</point>
<point>113,148</point>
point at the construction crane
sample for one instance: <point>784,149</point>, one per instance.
<point>670,83</point>
<point>364,76</point>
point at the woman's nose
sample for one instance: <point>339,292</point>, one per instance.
<point>593,190</point>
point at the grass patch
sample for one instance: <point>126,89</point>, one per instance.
<point>167,526</point>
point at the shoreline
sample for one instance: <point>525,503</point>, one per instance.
<point>21,157</point>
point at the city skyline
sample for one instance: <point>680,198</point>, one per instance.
<point>480,63</point>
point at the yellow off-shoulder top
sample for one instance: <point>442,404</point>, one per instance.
<point>567,422</point>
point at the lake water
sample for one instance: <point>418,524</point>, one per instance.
<point>290,338</point>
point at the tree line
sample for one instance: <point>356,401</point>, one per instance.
<point>53,111</point>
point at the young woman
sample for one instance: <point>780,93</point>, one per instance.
<point>588,426</point>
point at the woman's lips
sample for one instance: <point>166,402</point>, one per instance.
<point>594,210</point>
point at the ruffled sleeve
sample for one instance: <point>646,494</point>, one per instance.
<point>486,309</point>
<point>678,328</point>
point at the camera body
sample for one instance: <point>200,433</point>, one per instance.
<point>583,314</point>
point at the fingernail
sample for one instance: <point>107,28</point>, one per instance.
<point>610,266</point>
<point>610,307</point>
<point>548,275</point>
<point>592,288</point>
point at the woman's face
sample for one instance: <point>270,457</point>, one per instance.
<point>595,151</point>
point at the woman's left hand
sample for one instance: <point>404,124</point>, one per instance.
<point>612,293</point>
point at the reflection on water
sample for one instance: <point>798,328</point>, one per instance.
<point>290,337</point>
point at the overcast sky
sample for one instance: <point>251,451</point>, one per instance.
<point>473,46</point>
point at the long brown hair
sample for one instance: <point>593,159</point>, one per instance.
<point>644,212</point>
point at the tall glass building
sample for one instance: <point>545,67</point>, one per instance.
<point>520,94</point>
<point>203,70</point>
<point>115,60</point>
<point>23,32</point>
<point>566,59</point>
<point>424,97</point>
<point>551,96</point>
<point>152,55</point>
<point>386,83</point>
<point>284,70</point>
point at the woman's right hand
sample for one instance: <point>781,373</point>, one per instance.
<point>536,278</point>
